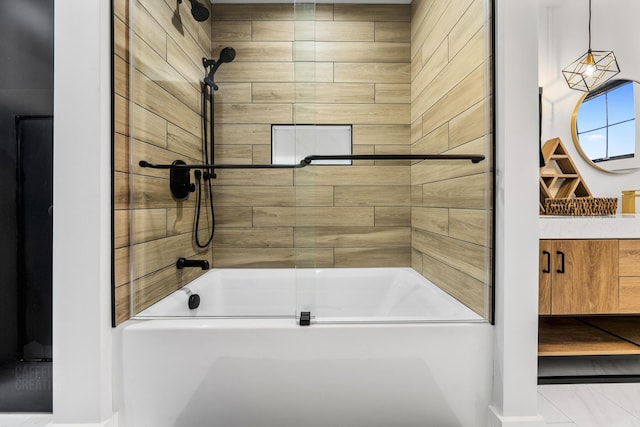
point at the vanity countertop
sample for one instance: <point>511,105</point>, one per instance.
<point>622,226</point>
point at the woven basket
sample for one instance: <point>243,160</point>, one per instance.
<point>582,206</point>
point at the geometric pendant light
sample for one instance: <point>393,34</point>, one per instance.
<point>592,68</point>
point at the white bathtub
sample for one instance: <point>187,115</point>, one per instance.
<point>205,367</point>
<point>331,295</point>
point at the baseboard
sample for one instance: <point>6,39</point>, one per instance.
<point>111,422</point>
<point>497,420</point>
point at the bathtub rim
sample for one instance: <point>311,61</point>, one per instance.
<point>160,323</point>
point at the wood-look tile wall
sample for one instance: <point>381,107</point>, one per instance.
<point>410,79</point>
<point>341,64</point>
<point>450,113</point>
<point>160,125</point>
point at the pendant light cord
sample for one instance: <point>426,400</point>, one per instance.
<point>589,25</point>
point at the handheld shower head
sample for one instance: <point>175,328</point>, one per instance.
<point>198,10</point>
<point>227,54</point>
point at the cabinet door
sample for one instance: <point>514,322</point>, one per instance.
<point>629,258</point>
<point>629,262</point>
<point>584,276</point>
<point>630,295</point>
<point>544,277</point>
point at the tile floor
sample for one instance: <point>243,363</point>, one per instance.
<point>24,420</point>
<point>561,405</point>
<point>590,405</point>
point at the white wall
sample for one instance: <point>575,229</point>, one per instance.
<point>516,329</point>
<point>82,332</point>
<point>563,37</point>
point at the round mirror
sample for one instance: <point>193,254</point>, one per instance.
<point>604,126</point>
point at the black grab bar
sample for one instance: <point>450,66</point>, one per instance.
<point>474,158</point>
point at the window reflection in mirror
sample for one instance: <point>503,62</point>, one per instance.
<point>604,126</point>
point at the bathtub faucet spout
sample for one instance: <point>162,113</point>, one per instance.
<point>183,262</point>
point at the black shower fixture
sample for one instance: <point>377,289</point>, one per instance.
<point>180,181</point>
<point>227,54</point>
<point>198,10</point>
<point>200,263</point>
<point>208,88</point>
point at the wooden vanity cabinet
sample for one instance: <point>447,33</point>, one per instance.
<point>629,270</point>
<point>581,279</point>
<point>578,277</point>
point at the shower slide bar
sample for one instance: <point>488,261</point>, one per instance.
<point>474,158</point>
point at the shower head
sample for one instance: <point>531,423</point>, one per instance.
<point>227,54</point>
<point>198,10</point>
